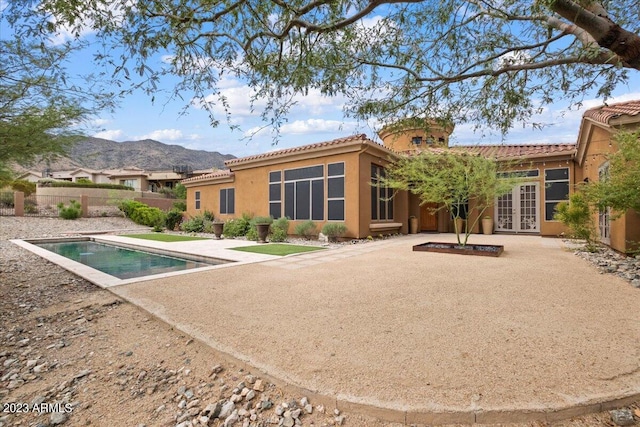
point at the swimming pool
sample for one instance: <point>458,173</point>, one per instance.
<point>121,262</point>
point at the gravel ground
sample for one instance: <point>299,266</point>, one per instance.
<point>72,354</point>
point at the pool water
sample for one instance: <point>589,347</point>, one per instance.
<point>121,262</point>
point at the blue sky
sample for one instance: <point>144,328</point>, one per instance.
<point>314,119</point>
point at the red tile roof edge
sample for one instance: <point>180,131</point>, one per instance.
<point>217,174</point>
<point>605,113</point>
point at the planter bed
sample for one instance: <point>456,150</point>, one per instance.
<point>454,248</point>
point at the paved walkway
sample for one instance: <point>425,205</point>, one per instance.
<point>420,337</point>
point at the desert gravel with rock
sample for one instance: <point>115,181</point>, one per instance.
<point>73,354</point>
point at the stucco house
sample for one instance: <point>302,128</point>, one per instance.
<point>336,181</point>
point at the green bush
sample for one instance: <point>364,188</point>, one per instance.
<point>84,181</point>
<point>148,216</point>
<point>180,205</point>
<point>30,206</point>
<point>576,214</point>
<point>180,191</point>
<point>73,211</point>
<point>6,199</point>
<point>279,230</point>
<point>28,188</point>
<point>306,229</point>
<point>333,230</point>
<point>208,215</point>
<point>252,233</point>
<point>129,206</point>
<point>237,226</point>
<point>143,214</point>
<point>51,183</point>
<point>193,225</point>
<point>173,219</point>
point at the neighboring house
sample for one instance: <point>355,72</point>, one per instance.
<point>336,181</point>
<point>595,142</point>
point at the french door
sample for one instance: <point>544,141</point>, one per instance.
<point>518,211</point>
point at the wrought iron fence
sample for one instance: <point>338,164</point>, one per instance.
<point>6,203</point>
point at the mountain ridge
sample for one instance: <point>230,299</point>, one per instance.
<point>147,154</point>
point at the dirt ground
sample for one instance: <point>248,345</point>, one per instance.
<point>68,347</point>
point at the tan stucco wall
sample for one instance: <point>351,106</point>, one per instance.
<point>401,139</point>
<point>252,191</point>
<point>625,229</point>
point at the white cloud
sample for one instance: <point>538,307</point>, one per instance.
<point>309,126</point>
<point>163,135</point>
<point>113,135</point>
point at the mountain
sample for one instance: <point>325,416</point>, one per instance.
<point>150,155</point>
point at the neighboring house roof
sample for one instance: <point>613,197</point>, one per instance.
<point>308,150</point>
<point>610,114</point>
<point>529,151</point>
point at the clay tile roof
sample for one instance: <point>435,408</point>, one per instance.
<point>519,151</point>
<point>303,148</point>
<point>216,174</point>
<point>605,113</point>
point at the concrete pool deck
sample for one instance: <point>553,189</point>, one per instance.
<point>416,337</point>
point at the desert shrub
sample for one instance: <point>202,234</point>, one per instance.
<point>28,188</point>
<point>180,205</point>
<point>148,216</point>
<point>208,215</point>
<point>72,211</point>
<point>30,206</point>
<point>279,230</point>
<point>173,219</point>
<point>252,233</point>
<point>576,214</point>
<point>6,199</point>
<point>333,230</point>
<point>306,229</point>
<point>142,214</point>
<point>237,226</point>
<point>52,183</point>
<point>193,225</point>
<point>84,181</point>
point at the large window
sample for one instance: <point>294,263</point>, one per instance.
<point>335,191</point>
<point>381,196</point>
<point>556,190</point>
<point>304,193</point>
<point>197,198</point>
<point>227,200</point>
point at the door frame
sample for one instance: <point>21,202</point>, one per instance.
<point>516,213</point>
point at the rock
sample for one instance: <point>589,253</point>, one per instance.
<point>250,379</point>
<point>250,395</point>
<point>308,408</point>
<point>58,418</point>
<point>258,385</point>
<point>231,419</point>
<point>339,420</point>
<point>622,417</point>
<point>635,283</point>
<point>288,421</point>
<point>212,410</point>
<point>82,374</point>
<point>279,410</point>
<point>40,368</point>
<point>9,362</point>
<point>226,409</point>
<point>296,413</point>
<point>266,404</point>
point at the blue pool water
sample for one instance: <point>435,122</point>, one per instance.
<point>120,262</point>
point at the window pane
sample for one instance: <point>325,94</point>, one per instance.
<point>223,201</point>
<point>556,191</point>
<point>275,210</point>
<point>304,173</point>
<point>274,193</point>
<point>335,187</point>
<point>231,200</point>
<point>336,210</point>
<point>374,202</point>
<point>289,199</point>
<point>556,174</point>
<point>335,169</point>
<point>317,200</point>
<point>275,176</point>
<point>549,210</point>
<point>303,200</point>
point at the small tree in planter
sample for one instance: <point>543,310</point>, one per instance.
<point>454,180</point>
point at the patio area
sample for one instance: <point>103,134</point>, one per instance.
<point>420,337</point>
